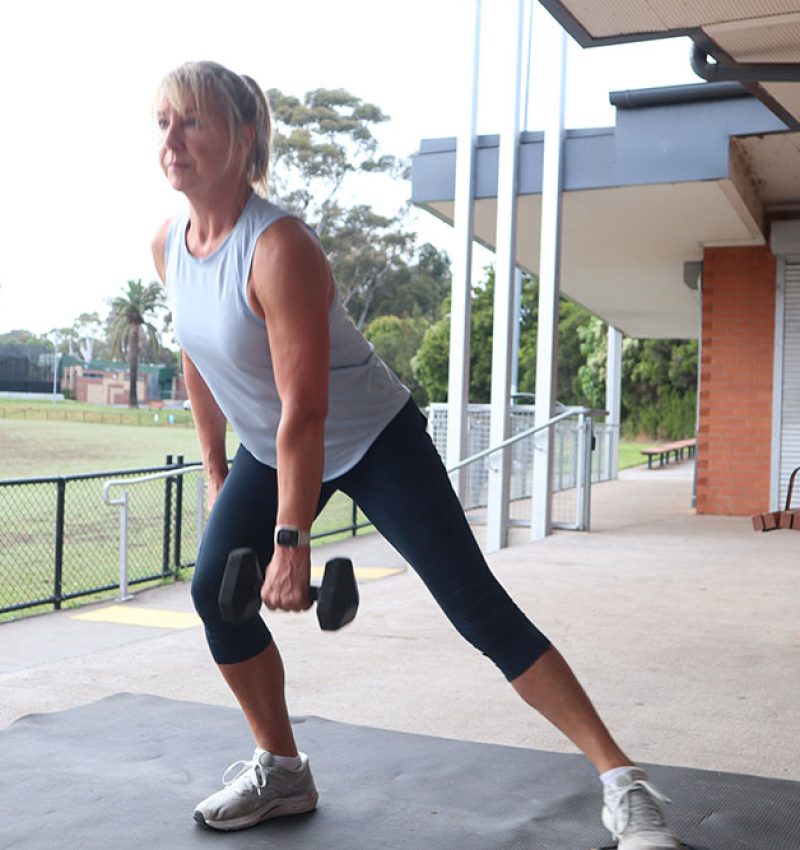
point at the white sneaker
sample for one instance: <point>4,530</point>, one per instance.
<point>258,791</point>
<point>632,814</point>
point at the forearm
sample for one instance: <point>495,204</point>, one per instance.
<point>211,436</point>
<point>209,422</point>
<point>301,460</point>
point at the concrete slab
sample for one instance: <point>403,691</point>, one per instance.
<point>683,628</point>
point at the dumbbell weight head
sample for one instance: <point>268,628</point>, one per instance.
<point>240,591</point>
<point>337,596</point>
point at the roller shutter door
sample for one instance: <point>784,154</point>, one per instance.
<point>790,402</point>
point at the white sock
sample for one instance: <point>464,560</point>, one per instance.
<point>609,776</point>
<point>288,762</point>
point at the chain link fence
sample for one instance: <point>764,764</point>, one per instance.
<point>59,542</point>
<point>157,416</point>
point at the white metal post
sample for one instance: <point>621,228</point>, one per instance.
<point>549,291</point>
<point>580,471</point>
<point>56,357</point>
<point>517,308</point>
<point>613,400</point>
<point>460,306</point>
<point>124,596</point>
<point>586,519</point>
<point>200,491</point>
<point>499,477</point>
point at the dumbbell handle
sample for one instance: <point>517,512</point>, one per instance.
<point>313,593</point>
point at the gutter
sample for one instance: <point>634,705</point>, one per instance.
<point>674,95</point>
<point>764,72</point>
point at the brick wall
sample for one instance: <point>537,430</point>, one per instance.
<point>735,429</point>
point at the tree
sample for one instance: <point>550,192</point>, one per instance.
<point>88,330</point>
<point>432,361</point>
<point>659,381</point>
<point>130,324</point>
<point>316,143</point>
<point>320,141</point>
<point>431,364</point>
<point>63,339</point>
<point>418,288</point>
<point>365,251</point>
<point>396,341</point>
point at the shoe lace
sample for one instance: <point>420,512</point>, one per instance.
<point>636,805</point>
<point>250,774</point>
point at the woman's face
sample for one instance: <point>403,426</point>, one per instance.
<point>194,147</point>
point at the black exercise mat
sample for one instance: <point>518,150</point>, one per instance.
<point>126,771</point>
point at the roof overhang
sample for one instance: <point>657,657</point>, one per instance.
<point>641,199</point>
<point>740,34</point>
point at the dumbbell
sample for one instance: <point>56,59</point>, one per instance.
<point>240,591</point>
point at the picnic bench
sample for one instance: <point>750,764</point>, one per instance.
<point>666,450</point>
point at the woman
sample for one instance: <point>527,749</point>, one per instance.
<point>268,347</point>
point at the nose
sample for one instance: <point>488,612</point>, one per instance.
<point>171,138</point>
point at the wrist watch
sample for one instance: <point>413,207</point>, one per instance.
<point>291,536</point>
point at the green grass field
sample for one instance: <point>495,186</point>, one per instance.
<point>52,441</point>
<point>46,439</point>
<point>630,453</point>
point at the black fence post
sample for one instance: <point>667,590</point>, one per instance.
<point>354,528</point>
<point>61,491</point>
<point>178,516</point>
<point>167,520</point>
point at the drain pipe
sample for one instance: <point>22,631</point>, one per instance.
<point>765,72</point>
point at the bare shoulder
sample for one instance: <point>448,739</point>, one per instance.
<point>288,252</point>
<point>158,247</point>
<point>288,240</point>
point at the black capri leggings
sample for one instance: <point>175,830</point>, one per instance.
<point>402,486</point>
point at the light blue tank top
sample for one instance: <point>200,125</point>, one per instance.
<point>228,343</point>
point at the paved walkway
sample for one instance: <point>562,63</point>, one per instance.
<point>683,628</point>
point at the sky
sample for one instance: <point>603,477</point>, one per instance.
<point>81,193</point>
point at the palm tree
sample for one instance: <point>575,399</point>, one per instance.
<point>131,320</point>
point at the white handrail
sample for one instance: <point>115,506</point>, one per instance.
<point>118,482</point>
<point>121,502</point>
<point>583,476</point>
<point>565,414</point>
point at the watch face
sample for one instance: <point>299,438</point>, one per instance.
<point>286,537</point>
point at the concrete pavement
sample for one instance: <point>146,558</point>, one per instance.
<point>684,630</point>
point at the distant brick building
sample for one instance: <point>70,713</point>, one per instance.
<point>108,382</point>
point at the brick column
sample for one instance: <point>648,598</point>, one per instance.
<point>735,429</point>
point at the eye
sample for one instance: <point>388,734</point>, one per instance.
<point>191,122</point>
<point>162,123</point>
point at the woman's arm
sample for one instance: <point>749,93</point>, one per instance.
<point>291,287</point>
<point>208,418</point>
<point>210,424</point>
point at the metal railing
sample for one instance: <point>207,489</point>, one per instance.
<point>576,466</point>
<point>122,502</point>
<point>56,546</point>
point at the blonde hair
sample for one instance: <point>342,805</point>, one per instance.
<point>241,100</point>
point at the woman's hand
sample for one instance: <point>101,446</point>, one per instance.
<point>287,579</point>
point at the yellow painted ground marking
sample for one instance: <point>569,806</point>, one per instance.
<point>128,615</point>
<point>364,573</point>
<point>156,618</point>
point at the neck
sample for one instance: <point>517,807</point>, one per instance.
<point>213,215</point>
